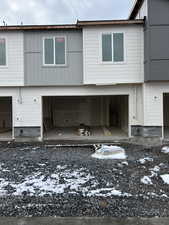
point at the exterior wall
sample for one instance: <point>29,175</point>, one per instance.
<point>143,11</point>
<point>131,71</point>
<point>27,103</point>
<point>38,75</point>
<point>13,73</point>
<point>153,104</point>
<point>156,41</point>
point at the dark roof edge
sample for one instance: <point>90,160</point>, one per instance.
<point>108,22</point>
<point>136,9</point>
<point>39,27</point>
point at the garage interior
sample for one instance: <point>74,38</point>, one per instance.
<point>166,115</point>
<point>89,117</point>
<point>5,118</point>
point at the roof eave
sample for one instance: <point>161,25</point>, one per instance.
<point>38,27</point>
<point>109,22</point>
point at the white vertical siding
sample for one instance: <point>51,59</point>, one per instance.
<point>27,109</point>
<point>153,103</point>
<point>13,74</point>
<point>131,71</point>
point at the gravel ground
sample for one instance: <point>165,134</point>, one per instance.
<point>50,180</point>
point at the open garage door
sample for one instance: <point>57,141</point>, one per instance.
<point>166,115</point>
<point>93,117</point>
<point>5,118</point>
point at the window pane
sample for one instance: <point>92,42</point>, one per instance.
<point>2,52</point>
<point>60,50</point>
<point>107,47</point>
<point>49,51</point>
<point>118,47</point>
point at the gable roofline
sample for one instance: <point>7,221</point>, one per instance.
<point>135,9</point>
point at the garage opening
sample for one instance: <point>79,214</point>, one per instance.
<point>91,117</point>
<point>5,118</point>
<point>166,115</point>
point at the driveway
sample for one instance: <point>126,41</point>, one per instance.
<point>52,180</point>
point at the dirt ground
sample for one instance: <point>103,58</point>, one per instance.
<point>51,180</point>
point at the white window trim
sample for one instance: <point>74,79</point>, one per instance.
<point>54,65</point>
<point>124,49</point>
<point>6,48</point>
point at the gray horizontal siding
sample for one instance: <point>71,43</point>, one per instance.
<point>158,12</point>
<point>157,41</point>
<point>159,44</point>
<point>37,74</point>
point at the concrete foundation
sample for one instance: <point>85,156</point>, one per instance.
<point>146,131</point>
<point>27,132</point>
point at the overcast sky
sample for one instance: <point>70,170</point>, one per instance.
<point>61,11</point>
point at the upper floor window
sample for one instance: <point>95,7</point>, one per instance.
<point>113,47</point>
<point>2,52</point>
<point>54,51</point>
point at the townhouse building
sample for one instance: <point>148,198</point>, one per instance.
<point>108,78</point>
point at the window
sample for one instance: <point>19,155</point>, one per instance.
<point>54,51</point>
<point>113,47</point>
<point>2,52</point>
<point>107,47</point>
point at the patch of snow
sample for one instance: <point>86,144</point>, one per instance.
<point>110,152</point>
<point>35,148</point>
<point>165,178</point>
<point>3,183</point>
<point>146,180</point>
<point>144,160</point>
<point>63,180</point>
<point>125,163</point>
<point>38,184</point>
<point>155,169</point>
<point>165,150</point>
<point>157,195</point>
<point>107,192</point>
<point>59,167</point>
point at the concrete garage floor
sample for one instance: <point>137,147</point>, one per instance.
<point>82,221</point>
<point>5,135</point>
<point>97,133</point>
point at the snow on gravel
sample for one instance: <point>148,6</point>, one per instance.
<point>110,152</point>
<point>144,160</point>
<point>38,184</point>
<point>165,150</point>
<point>165,178</point>
<point>146,180</point>
<point>155,169</point>
<point>110,192</point>
<point>75,181</point>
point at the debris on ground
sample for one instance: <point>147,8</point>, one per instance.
<point>110,152</point>
<point>165,150</point>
